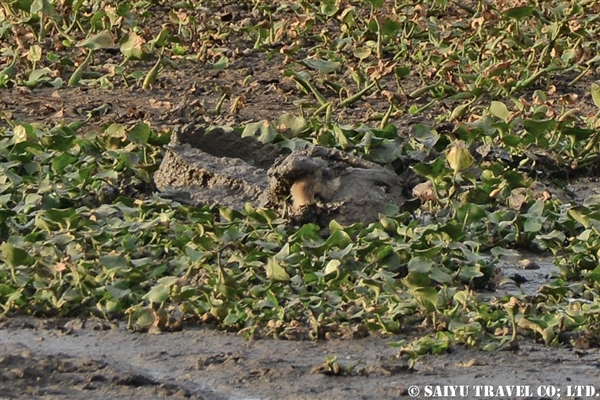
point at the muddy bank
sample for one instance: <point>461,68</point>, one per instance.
<point>92,360</point>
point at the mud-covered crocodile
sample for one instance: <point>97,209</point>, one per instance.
<point>314,184</point>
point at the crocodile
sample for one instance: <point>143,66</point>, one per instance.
<point>311,184</point>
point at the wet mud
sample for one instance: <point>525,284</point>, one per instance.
<point>79,359</point>
<point>313,184</point>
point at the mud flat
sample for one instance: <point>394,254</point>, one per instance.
<point>77,359</point>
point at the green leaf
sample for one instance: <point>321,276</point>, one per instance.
<point>233,317</point>
<point>262,130</point>
<point>532,225</point>
<point>113,261</point>
<point>35,53</point>
<point>428,297</point>
<point>386,152</point>
<point>458,112</point>
<point>61,162</point>
<point>157,294</point>
<point>591,201</point>
<point>578,133</point>
<point>161,39</point>
<point>291,122</point>
<point>15,256</point>
<point>115,130</point>
<point>453,229</point>
<point>222,63</point>
<point>168,280</point>
<point>14,178</point>
<point>402,72</point>
<point>539,127</point>
<point>416,280</point>
<point>159,139</point>
<point>536,209</point>
<point>140,133</point>
<point>37,74</point>
<point>62,217</point>
<point>62,239</point>
<point>362,52</point>
<point>44,6</point>
<point>420,264</point>
<point>276,272</point>
<point>307,233</point>
<point>425,136</point>
<point>323,66</point>
<point>341,138</point>
<point>594,276</point>
<point>390,27</point>
<point>431,170</point>
<point>511,140</point>
<point>101,40</point>
<point>118,290</point>
<point>439,275</point>
<point>337,239</point>
<point>499,109</point>
<point>469,272</point>
<point>332,266</point>
<point>335,226</point>
<point>580,214</point>
<point>146,319</point>
<point>459,158</point>
<point>556,236</point>
<point>5,290</point>
<point>58,142</point>
<point>131,45</point>
<point>501,251</point>
<point>595,91</point>
<point>469,213</point>
<point>519,12</point>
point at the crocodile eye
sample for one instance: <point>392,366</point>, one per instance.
<point>385,188</point>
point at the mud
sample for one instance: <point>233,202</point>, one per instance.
<point>314,184</point>
<point>196,176</point>
<point>524,273</point>
<point>91,359</point>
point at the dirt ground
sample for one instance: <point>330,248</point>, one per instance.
<point>77,359</point>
